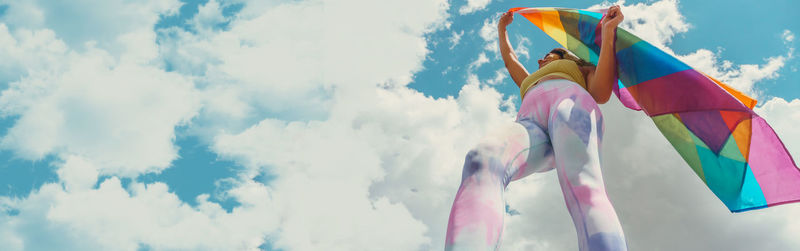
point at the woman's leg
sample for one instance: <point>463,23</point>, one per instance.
<point>476,218</point>
<point>575,129</point>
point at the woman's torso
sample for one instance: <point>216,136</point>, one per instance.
<point>558,69</point>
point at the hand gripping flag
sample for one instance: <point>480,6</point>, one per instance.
<point>712,126</point>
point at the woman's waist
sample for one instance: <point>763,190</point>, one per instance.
<point>552,76</point>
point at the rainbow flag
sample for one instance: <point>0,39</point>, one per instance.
<point>711,125</point>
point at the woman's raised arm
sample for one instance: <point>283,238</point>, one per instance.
<point>601,80</point>
<point>515,68</point>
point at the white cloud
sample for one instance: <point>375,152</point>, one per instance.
<point>119,115</point>
<point>28,51</point>
<point>489,34</point>
<point>334,212</point>
<point>787,36</point>
<point>347,45</point>
<point>82,21</point>
<point>499,76</point>
<point>208,16</point>
<point>481,60</point>
<point>455,38</point>
<point>788,40</point>
<point>472,79</point>
<point>77,173</point>
<point>329,42</point>
<point>83,82</point>
<point>388,149</point>
<point>473,6</point>
<point>522,47</point>
<point>113,217</point>
<point>244,74</point>
<point>221,75</point>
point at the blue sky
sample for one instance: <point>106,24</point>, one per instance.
<point>220,129</point>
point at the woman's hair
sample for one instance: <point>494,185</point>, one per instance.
<point>566,54</point>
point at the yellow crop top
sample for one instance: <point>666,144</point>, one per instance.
<point>563,68</point>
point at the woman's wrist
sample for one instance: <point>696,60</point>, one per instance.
<point>608,34</point>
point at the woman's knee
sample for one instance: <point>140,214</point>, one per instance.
<point>499,153</point>
<point>483,162</point>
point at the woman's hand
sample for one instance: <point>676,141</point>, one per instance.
<point>611,20</point>
<point>505,19</point>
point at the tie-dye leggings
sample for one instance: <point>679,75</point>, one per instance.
<point>559,126</point>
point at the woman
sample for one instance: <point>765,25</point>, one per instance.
<point>559,126</point>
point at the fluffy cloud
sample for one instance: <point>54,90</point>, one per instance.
<point>28,51</point>
<point>455,38</point>
<point>522,47</point>
<point>481,60</point>
<point>83,82</point>
<point>322,49</point>
<point>489,34</point>
<point>141,215</point>
<point>82,21</point>
<point>351,173</point>
<point>499,76</point>
<point>787,36</point>
<point>384,151</point>
<point>119,114</point>
<point>242,73</point>
<point>473,6</point>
